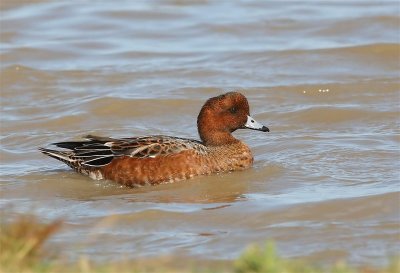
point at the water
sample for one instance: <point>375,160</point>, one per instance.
<point>323,76</point>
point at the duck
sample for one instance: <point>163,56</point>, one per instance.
<point>157,159</point>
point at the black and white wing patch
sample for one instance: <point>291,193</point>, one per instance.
<point>100,151</point>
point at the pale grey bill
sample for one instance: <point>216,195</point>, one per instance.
<point>251,123</point>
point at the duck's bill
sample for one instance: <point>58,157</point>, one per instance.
<point>254,125</point>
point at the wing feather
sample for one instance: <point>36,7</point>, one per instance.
<point>99,151</point>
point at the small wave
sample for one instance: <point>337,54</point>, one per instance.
<point>334,114</point>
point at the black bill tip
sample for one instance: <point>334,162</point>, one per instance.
<point>265,129</point>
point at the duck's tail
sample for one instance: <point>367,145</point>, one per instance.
<point>92,152</point>
<point>75,162</point>
<point>64,156</point>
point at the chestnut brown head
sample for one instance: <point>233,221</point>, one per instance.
<point>222,115</point>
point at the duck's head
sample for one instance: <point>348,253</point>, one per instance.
<point>222,115</point>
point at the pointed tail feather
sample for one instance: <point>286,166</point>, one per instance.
<point>81,154</point>
<point>62,156</point>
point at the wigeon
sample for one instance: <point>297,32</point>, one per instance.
<point>160,159</point>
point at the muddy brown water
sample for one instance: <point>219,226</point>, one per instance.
<point>323,76</point>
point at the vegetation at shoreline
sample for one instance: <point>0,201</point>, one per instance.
<point>22,241</point>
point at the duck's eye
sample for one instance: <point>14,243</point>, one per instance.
<point>233,110</point>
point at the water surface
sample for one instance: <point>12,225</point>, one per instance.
<point>323,76</point>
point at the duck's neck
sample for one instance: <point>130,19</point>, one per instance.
<point>217,138</point>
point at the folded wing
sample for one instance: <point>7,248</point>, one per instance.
<point>99,151</point>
